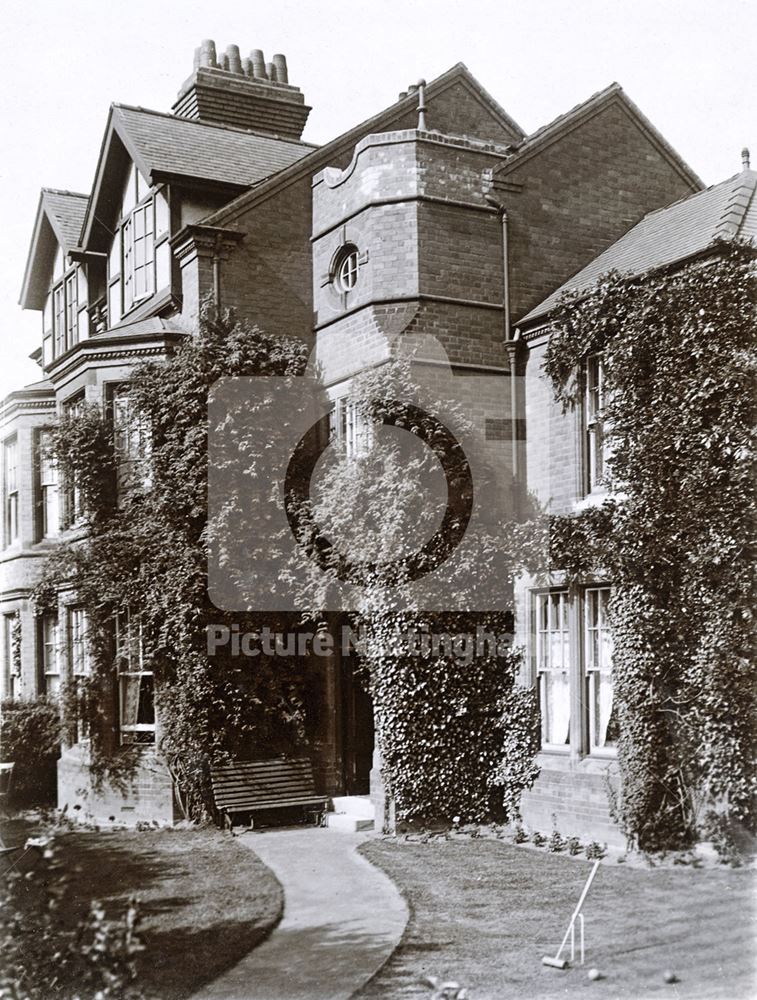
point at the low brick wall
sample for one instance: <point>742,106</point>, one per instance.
<point>572,796</point>
<point>148,798</point>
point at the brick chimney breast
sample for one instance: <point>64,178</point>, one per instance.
<point>247,93</point>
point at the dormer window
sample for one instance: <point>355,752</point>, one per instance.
<point>139,261</point>
<point>65,318</point>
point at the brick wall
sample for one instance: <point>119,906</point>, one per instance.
<point>572,796</point>
<point>579,195</point>
<point>149,796</point>
<point>552,440</point>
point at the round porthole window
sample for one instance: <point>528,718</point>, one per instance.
<point>346,268</point>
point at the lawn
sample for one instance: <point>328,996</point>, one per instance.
<point>483,913</point>
<point>205,899</point>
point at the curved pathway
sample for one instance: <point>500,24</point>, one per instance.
<point>342,919</point>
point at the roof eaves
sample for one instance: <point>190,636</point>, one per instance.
<point>541,314</point>
<point>24,298</point>
<point>89,218</point>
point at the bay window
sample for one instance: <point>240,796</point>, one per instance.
<point>10,490</point>
<point>49,521</point>
<point>51,653</point>
<point>80,663</point>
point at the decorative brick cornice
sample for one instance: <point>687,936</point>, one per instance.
<point>210,242</point>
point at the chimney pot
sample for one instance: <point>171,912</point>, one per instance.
<point>413,88</point>
<point>258,64</point>
<point>232,54</point>
<point>270,71</point>
<point>224,62</point>
<point>208,53</point>
<point>282,73</point>
<point>247,66</point>
<point>745,158</point>
<point>197,58</point>
<point>403,95</point>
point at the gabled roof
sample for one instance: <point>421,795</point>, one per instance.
<point>726,211</point>
<point>59,219</point>
<point>381,122</point>
<point>167,147</point>
<point>614,94</point>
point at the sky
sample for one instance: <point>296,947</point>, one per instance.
<point>688,64</point>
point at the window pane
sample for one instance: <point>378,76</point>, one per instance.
<point>553,663</point>
<point>114,303</point>
<point>114,260</point>
<point>163,266</point>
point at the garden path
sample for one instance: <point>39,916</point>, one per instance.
<point>342,920</point>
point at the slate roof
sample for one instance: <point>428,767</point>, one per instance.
<point>65,211</point>
<point>166,144</point>
<point>725,211</point>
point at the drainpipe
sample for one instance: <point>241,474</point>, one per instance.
<point>217,275</point>
<point>505,263</point>
<point>512,345</point>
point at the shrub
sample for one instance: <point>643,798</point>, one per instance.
<point>43,958</point>
<point>30,735</point>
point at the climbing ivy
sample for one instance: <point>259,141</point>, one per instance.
<point>457,735</point>
<point>678,539</point>
<point>145,549</point>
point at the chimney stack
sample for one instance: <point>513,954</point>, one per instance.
<point>745,158</point>
<point>247,93</point>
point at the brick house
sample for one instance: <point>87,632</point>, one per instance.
<point>449,221</point>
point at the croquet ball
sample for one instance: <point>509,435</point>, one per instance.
<point>594,974</point>
<point>669,976</point>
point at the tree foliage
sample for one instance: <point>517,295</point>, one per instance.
<point>678,538</point>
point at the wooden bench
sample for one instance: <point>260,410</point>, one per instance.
<point>254,786</point>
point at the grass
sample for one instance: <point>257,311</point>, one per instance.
<point>205,899</point>
<point>484,913</point>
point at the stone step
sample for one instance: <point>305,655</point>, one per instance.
<point>347,823</point>
<point>354,805</point>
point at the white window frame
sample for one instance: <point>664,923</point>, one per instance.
<point>552,632</point>
<point>348,427</point>
<point>132,665</point>
<point>11,510</point>
<point>49,497</point>
<point>79,659</point>
<point>597,645</point>
<point>51,653</point>
<point>595,438</point>
<point>140,247</point>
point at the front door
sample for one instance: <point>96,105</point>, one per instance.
<point>357,732</point>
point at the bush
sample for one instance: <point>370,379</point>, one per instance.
<point>30,735</point>
<point>41,958</point>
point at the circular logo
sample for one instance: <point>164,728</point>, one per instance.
<point>424,560</point>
